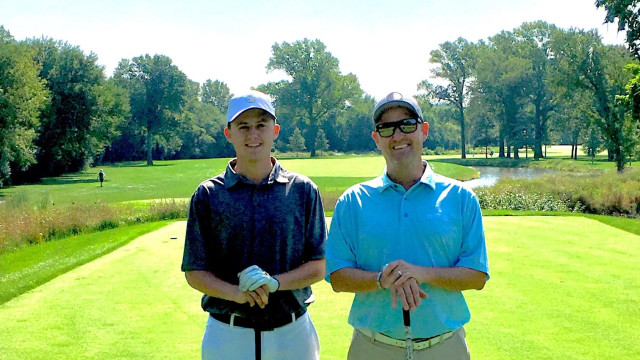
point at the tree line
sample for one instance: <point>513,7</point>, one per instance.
<point>539,84</point>
<point>531,86</point>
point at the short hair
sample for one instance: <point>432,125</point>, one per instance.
<point>263,113</point>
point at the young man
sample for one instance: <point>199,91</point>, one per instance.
<point>411,236</point>
<point>254,244</point>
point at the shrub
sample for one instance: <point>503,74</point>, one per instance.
<point>23,224</point>
<point>609,193</point>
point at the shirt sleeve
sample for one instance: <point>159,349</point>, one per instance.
<point>473,254</point>
<point>340,252</point>
<point>195,248</point>
<point>316,227</point>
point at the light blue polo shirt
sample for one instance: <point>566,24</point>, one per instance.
<point>437,222</point>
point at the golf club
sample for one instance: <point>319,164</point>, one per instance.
<point>407,333</point>
<point>258,343</point>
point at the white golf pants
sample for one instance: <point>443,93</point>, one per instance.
<point>295,341</point>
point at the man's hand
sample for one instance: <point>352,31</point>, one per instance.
<point>410,295</point>
<point>254,277</point>
<point>259,296</point>
<point>402,279</point>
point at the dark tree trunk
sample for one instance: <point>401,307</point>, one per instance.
<point>149,148</point>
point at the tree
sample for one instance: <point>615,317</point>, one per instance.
<point>316,91</point>
<point>203,132</point>
<point>574,115</point>
<point>322,143</point>
<point>483,124</point>
<point>22,96</point>
<point>159,91</point>
<point>586,63</point>
<point>535,39</point>
<point>628,14</point>
<point>113,107</point>
<point>354,127</point>
<point>501,79</point>
<point>296,142</point>
<point>84,109</point>
<point>444,130</point>
<point>455,64</point>
<point>216,93</point>
<point>592,142</point>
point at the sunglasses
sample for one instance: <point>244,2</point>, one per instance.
<point>407,126</point>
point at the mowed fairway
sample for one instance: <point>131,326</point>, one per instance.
<point>560,288</point>
<point>179,178</point>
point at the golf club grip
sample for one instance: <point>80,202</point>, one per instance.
<point>406,317</point>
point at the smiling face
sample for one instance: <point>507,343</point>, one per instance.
<point>400,147</point>
<point>252,135</point>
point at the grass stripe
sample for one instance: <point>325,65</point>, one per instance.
<point>31,266</point>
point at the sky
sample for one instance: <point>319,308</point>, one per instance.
<point>386,44</point>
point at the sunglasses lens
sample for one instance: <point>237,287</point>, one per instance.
<point>386,131</point>
<point>408,128</point>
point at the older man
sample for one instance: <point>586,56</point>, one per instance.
<point>409,235</point>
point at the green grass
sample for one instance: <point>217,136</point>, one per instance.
<point>626,224</point>
<point>178,179</point>
<point>125,182</point>
<point>562,287</point>
<point>32,266</point>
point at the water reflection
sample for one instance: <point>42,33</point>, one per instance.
<point>489,175</point>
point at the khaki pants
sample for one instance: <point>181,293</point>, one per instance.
<point>364,348</point>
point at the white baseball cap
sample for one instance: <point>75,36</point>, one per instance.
<point>395,99</point>
<point>250,100</point>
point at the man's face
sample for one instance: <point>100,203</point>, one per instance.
<point>252,135</point>
<point>400,147</point>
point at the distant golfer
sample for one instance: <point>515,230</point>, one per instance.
<point>101,177</point>
<point>408,235</point>
<point>254,244</point>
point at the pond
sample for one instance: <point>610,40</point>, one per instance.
<point>489,175</point>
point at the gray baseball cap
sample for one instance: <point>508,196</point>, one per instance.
<point>250,100</point>
<point>395,99</point>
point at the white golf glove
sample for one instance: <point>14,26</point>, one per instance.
<point>253,277</point>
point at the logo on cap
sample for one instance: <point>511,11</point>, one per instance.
<point>251,99</point>
<point>394,96</point>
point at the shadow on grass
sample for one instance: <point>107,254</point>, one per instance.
<point>138,164</point>
<point>66,179</point>
<point>495,162</point>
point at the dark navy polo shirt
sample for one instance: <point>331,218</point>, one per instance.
<point>234,223</point>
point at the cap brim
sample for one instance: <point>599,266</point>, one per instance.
<point>392,104</point>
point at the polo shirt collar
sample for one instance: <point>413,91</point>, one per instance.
<point>427,178</point>
<point>277,174</point>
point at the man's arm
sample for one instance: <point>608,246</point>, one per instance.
<point>302,276</point>
<point>358,281</point>
<point>354,280</point>
<point>209,284</point>
<point>451,278</point>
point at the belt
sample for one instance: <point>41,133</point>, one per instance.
<point>267,323</point>
<point>418,344</point>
